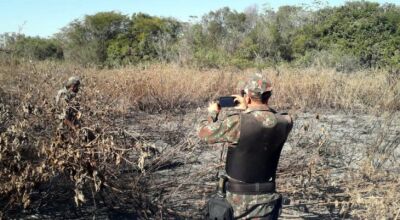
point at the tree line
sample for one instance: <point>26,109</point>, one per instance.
<point>356,35</point>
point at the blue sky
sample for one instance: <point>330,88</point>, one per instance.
<point>46,17</point>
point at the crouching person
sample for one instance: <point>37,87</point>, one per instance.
<point>256,136</point>
<point>69,113</point>
<point>68,108</point>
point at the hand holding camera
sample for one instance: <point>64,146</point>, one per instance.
<point>240,102</point>
<point>236,101</point>
<point>214,107</point>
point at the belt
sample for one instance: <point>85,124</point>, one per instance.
<point>250,188</point>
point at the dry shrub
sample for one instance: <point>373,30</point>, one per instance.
<point>315,88</point>
<point>34,159</point>
<point>158,87</point>
<point>166,87</point>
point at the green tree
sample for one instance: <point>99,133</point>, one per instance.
<point>217,37</point>
<point>37,48</point>
<point>365,30</point>
<point>86,41</point>
<point>147,38</point>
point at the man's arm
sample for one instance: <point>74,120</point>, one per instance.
<point>288,120</point>
<point>60,93</point>
<point>214,131</point>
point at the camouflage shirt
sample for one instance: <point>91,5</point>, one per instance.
<point>65,95</point>
<point>67,106</point>
<point>228,130</point>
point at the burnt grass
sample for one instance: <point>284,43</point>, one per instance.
<point>324,155</point>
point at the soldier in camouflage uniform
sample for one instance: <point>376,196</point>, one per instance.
<point>256,136</point>
<point>68,107</point>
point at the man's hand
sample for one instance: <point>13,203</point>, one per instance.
<point>214,107</point>
<point>213,111</point>
<point>78,115</point>
<point>242,105</point>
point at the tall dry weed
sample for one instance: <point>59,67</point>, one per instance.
<point>166,87</point>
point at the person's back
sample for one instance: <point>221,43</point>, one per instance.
<point>251,165</point>
<point>262,135</point>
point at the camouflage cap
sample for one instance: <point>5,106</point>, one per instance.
<point>258,84</point>
<point>73,80</point>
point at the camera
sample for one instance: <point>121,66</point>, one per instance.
<point>227,101</point>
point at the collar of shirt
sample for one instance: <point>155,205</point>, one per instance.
<point>257,108</point>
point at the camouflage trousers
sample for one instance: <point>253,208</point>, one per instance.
<point>264,206</point>
<point>65,133</point>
